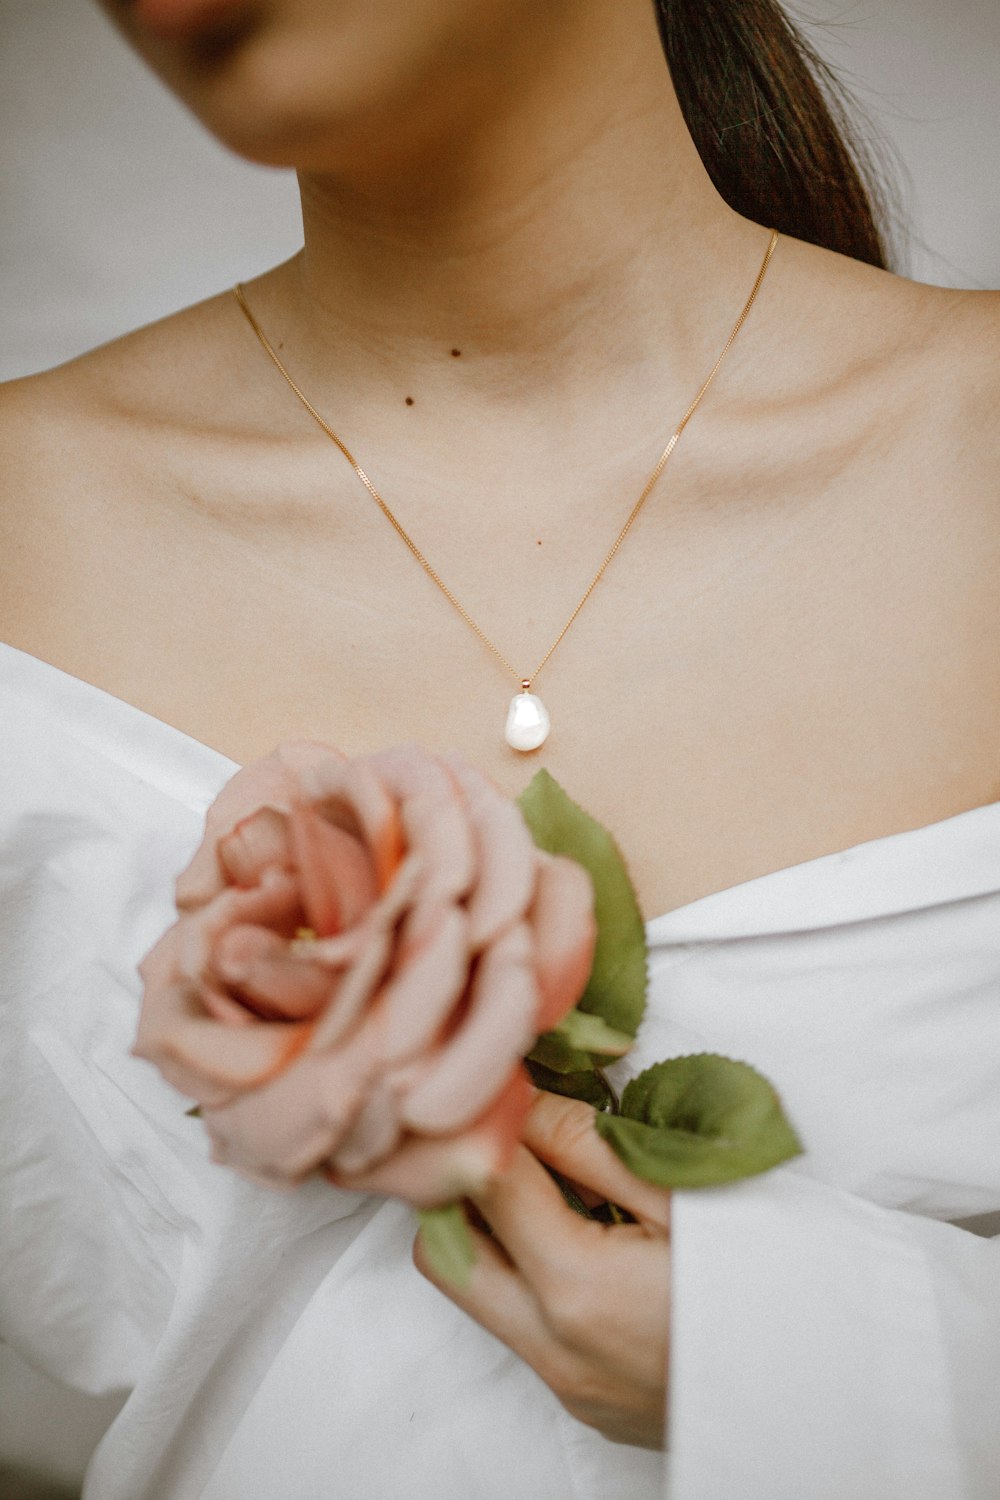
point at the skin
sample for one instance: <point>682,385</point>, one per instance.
<point>794,652</point>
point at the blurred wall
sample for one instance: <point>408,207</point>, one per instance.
<point>927,77</point>
<point>115,207</point>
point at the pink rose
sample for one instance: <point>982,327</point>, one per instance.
<point>365,950</point>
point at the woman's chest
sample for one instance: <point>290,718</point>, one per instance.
<point>732,698</point>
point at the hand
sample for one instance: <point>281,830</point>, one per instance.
<point>585,1304</point>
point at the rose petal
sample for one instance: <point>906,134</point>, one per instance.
<point>255,843</point>
<point>274,781</point>
<point>565,933</point>
<point>429,973</point>
<point>374,1133</point>
<point>281,1132</point>
<point>352,796</point>
<point>277,977</point>
<point>204,1057</point>
<point>433,815</point>
<point>505,856</point>
<point>354,992</point>
<point>211,1061</point>
<point>431,1172</point>
<point>504,1120</point>
<point>374,940</point>
<point>475,1064</point>
<point>274,904</point>
<point>205,876</point>
<point>222,1007</point>
<point>338,883</point>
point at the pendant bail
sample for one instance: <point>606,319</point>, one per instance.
<point>525,684</point>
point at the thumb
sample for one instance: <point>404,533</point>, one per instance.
<point>561,1133</point>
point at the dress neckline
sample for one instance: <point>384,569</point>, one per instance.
<point>876,877</point>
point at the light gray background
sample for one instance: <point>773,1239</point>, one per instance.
<point>115,207</point>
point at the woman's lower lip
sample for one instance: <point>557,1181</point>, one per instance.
<point>176,20</point>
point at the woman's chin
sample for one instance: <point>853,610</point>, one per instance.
<point>276,129</point>
<point>196,21</point>
<point>268,103</point>
<point>315,86</point>
<point>252,88</point>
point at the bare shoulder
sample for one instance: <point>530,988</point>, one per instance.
<point>158,371</point>
<point>889,392</point>
<point>89,446</point>
<point>880,351</point>
<point>956,377</point>
<point>968,348</point>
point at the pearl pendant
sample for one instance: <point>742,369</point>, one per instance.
<point>528,721</point>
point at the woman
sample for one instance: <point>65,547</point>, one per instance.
<point>517,271</point>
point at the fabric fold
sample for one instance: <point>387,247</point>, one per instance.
<point>153,751</point>
<point>956,859</point>
<point>833,1338</point>
<point>823,1346</point>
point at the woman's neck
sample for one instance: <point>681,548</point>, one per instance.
<point>559,231</point>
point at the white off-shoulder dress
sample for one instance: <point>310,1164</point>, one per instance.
<point>836,1323</point>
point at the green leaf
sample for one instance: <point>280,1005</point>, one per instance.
<point>591,1034</point>
<point>580,1043</point>
<point>699,1122</point>
<point>555,1053</point>
<point>448,1243</point>
<point>616,990</point>
<point>588,1085</point>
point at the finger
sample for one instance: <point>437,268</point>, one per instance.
<point>497,1296</point>
<point>543,1236</point>
<point>561,1132</point>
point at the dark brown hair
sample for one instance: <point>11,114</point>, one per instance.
<point>771,124</point>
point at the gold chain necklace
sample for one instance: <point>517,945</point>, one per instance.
<point>528,722</point>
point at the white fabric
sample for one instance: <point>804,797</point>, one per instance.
<point>830,1338</point>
